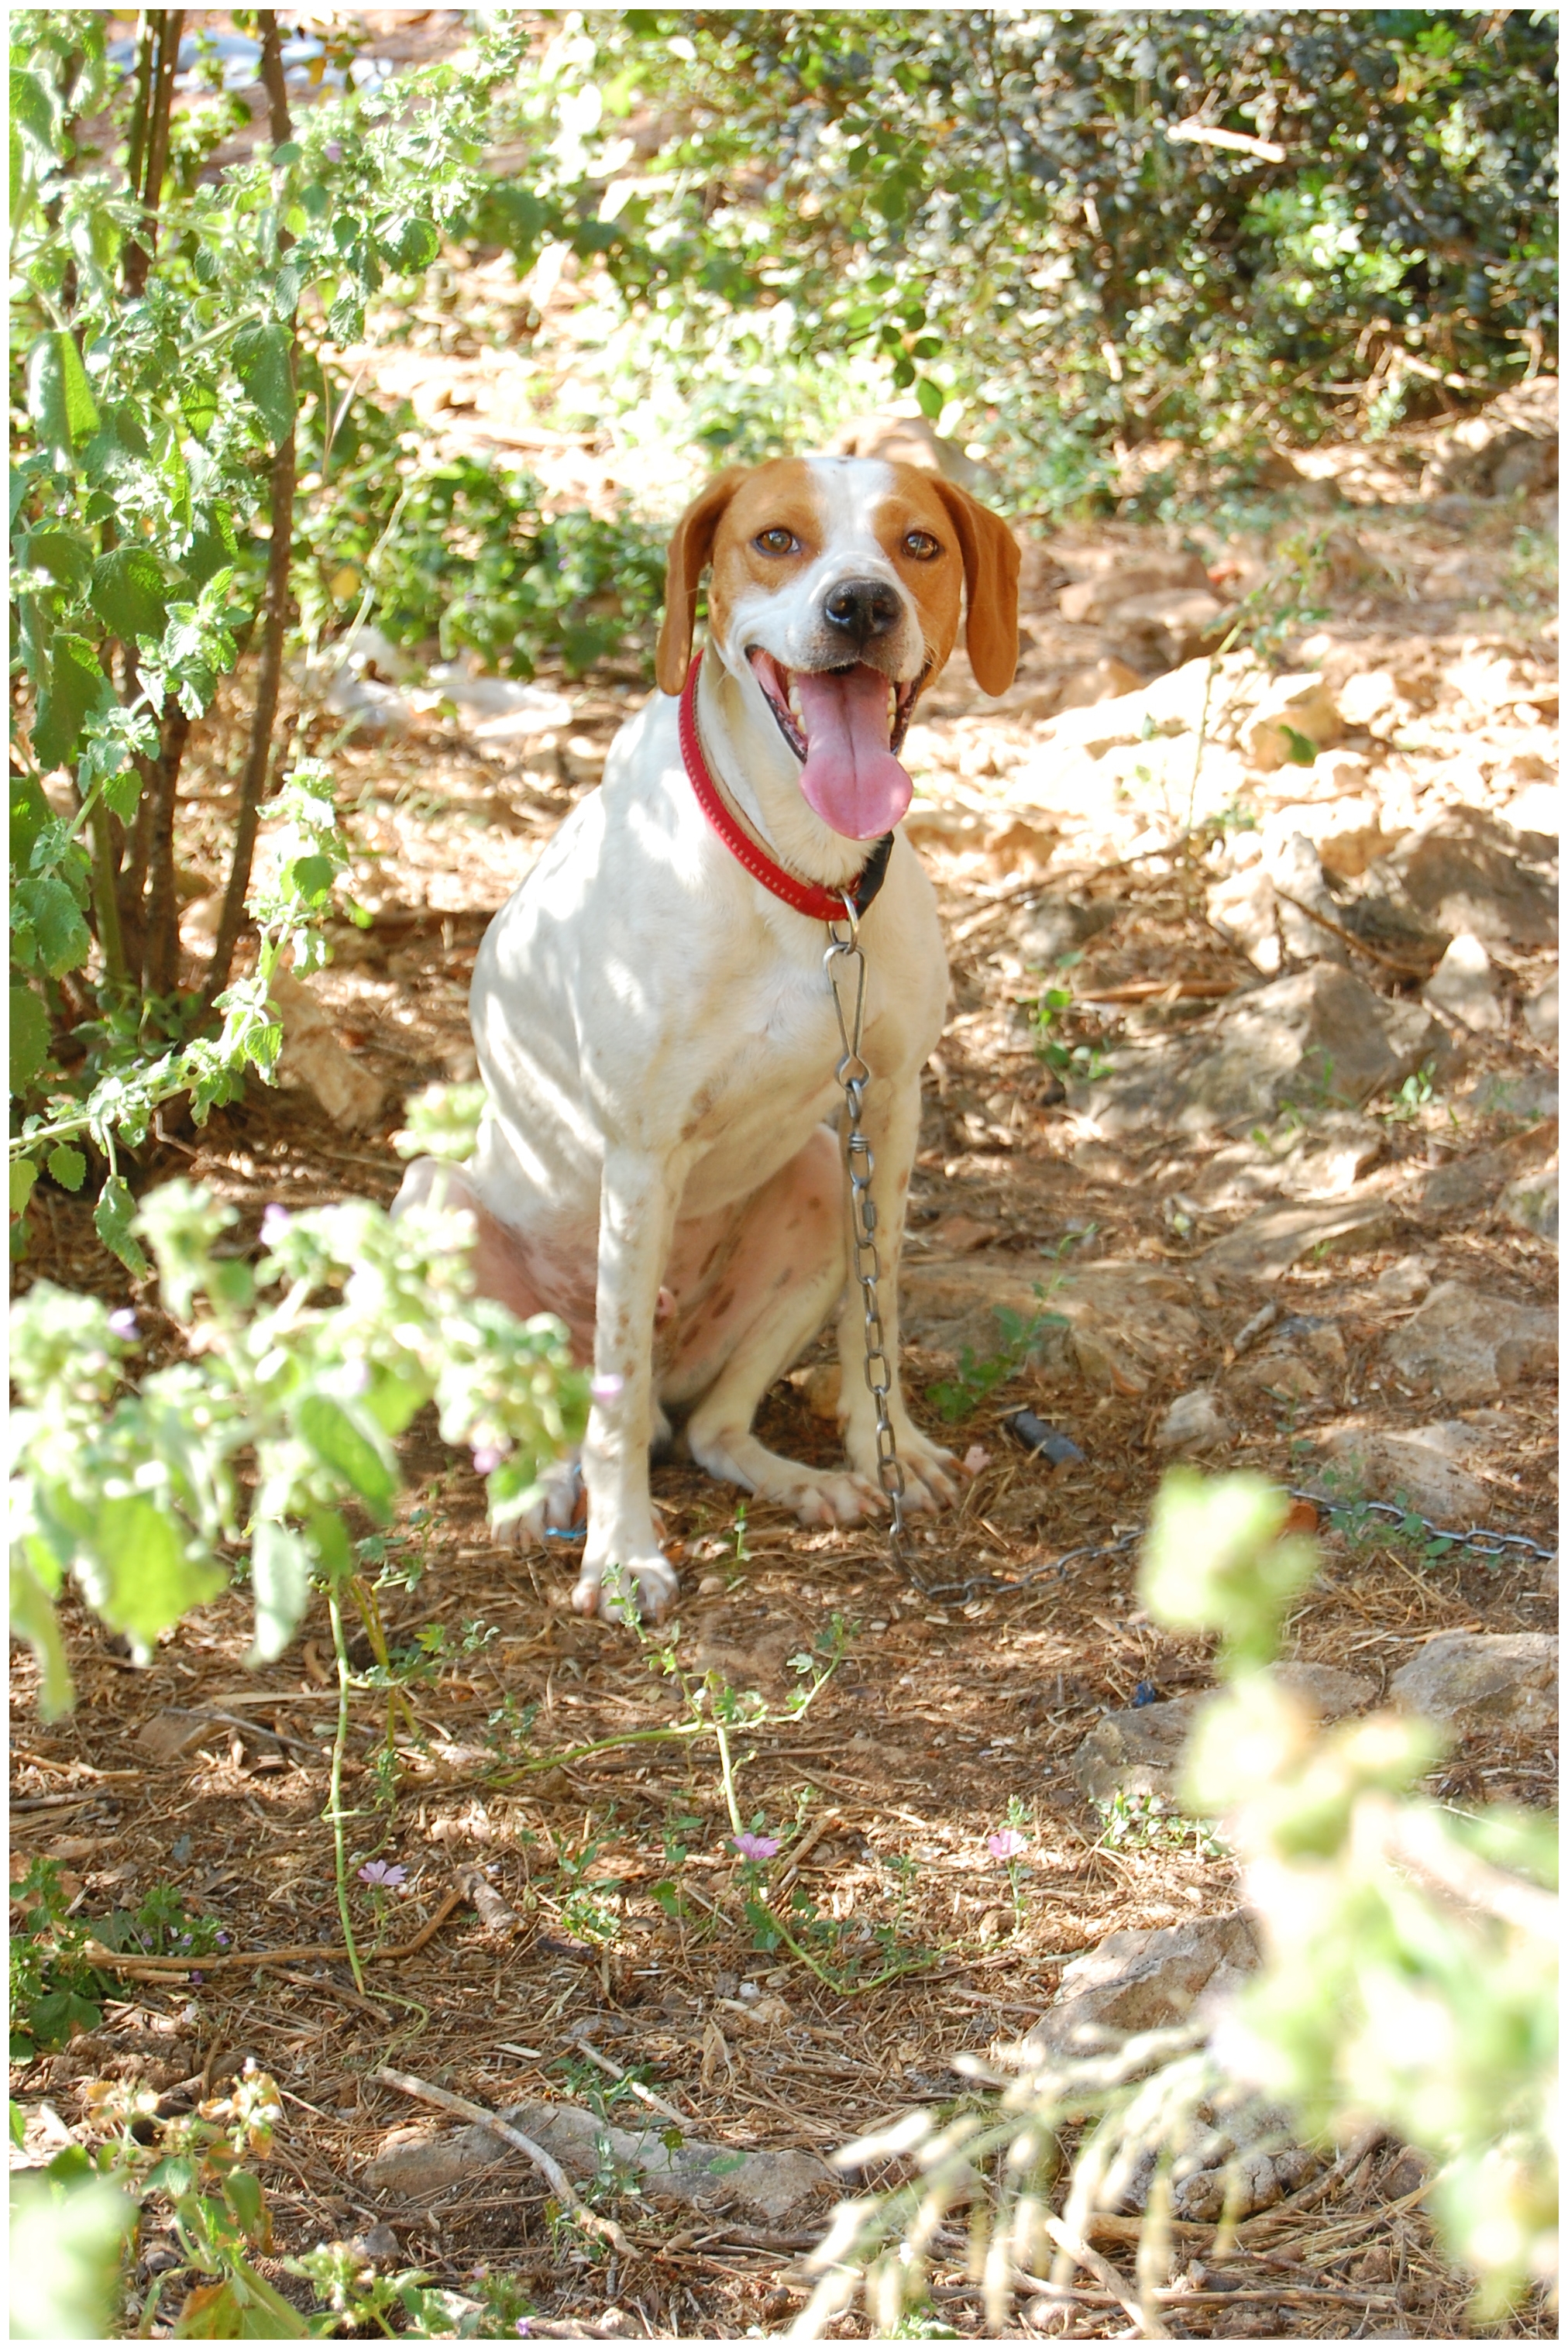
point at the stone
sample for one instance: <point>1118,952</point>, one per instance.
<point>1243,908</point>
<point>1052,925</point>
<point>1301,892</point>
<point>1320,1036</point>
<point>312,1057</point>
<point>1137,1753</point>
<point>1147,1980</point>
<point>1484,1683</point>
<point>1465,872</point>
<point>1405,1281</point>
<point>173,1733</point>
<point>1097,681</point>
<point>1540,1013</point>
<point>1345,835</point>
<point>1466,1346</point>
<point>1092,602</point>
<point>1428,1469</point>
<point>1193,1423</point>
<point>1470,1182</point>
<point>1499,1093</point>
<point>1464,988</point>
<point>1269,1242</point>
<point>1116,1325</point>
<point>1303,1360</point>
<point>1172,624</point>
<point>1532,1204</point>
<point>768,2188</point>
<point>1299,711</point>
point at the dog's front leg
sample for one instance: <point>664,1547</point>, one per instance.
<point>623,1564</point>
<point>891,1124</point>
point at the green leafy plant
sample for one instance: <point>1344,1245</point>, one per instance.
<point>957,1397</point>
<point>1083,1061</point>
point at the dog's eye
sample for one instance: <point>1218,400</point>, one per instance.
<point>776,542</point>
<point>920,544</point>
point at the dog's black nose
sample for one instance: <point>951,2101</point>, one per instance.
<point>863,608</point>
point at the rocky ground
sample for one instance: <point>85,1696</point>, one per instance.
<point>1247,1110</point>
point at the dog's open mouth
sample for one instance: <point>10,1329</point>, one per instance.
<point>846,726</point>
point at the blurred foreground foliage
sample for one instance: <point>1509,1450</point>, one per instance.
<point>1409,1982</point>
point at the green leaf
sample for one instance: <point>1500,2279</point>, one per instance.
<point>59,397</point>
<point>312,876</point>
<point>928,395</point>
<point>346,1450</point>
<point>409,243</point>
<point>33,111</point>
<point>198,405</point>
<point>24,1174</point>
<point>67,1167</point>
<point>29,1038</point>
<point>126,593</point>
<point>67,558</point>
<point>76,684</point>
<point>47,931</point>
<point>141,1578</point>
<point>112,1220</point>
<point>330,1544</point>
<point>261,362</point>
<point>279,1576</point>
<point>34,1619</point>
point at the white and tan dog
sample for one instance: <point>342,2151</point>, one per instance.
<point>655,1033</point>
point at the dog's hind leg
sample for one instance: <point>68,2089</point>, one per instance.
<point>788,1276</point>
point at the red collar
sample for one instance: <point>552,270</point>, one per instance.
<point>806,896</point>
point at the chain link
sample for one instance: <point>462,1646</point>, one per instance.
<point>845,964</point>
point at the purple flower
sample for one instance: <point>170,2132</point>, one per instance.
<point>606,1389</point>
<point>487,1459</point>
<point>223,1940</point>
<point>198,1978</point>
<point>1007,1845</point>
<point>378,1871</point>
<point>124,1323</point>
<point>276,1222</point>
<point>525,2326</point>
<point>755,1846</point>
<point>333,150</point>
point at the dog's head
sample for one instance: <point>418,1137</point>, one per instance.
<point>836,593</point>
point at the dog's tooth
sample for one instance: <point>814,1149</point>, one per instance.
<point>794,698</point>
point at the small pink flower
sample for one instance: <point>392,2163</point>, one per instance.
<point>378,1871</point>
<point>975,1459</point>
<point>606,1389</point>
<point>756,1846</point>
<point>1008,1844</point>
<point>124,1323</point>
<point>487,1459</point>
<point>276,1222</point>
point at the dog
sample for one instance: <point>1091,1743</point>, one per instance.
<point>657,1162</point>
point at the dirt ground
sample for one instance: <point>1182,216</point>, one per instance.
<point>947,1709</point>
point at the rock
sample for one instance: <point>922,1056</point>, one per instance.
<point>1115,1325</point>
<point>1243,908</point>
<point>1053,924</point>
<point>1269,1242</point>
<point>911,441</point>
<point>1428,1469</point>
<point>1466,873</point>
<point>1304,1359</point>
<point>1097,681</point>
<point>960,1236</point>
<point>495,708</point>
<point>1532,1204</point>
<point>1466,1184</point>
<point>1092,602</point>
<point>1137,1752</point>
<point>1404,1282</point>
<point>1246,2180</point>
<point>1540,1013</point>
<point>1345,835</point>
<point>1301,891</point>
<point>312,1057</point>
<point>1172,624</point>
<point>1499,1093</point>
<point>1303,711</point>
<point>1510,446</point>
<point>1320,1035</point>
<point>1194,1423</point>
<point>1143,1980</point>
<point>1466,1346</point>
<point>173,1733</point>
<point>768,2188</point>
<point>1484,1683</point>
<point>1335,1149</point>
<point>1464,988</point>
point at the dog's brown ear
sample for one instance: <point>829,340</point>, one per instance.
<point>690,548</point>
<point>991,584</point>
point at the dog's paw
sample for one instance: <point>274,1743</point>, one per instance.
<point>822,1498</point>
<point>932,1476</point>
<point>562,1506</point>
<point>642,1590</point>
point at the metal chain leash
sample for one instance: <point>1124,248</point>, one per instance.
<point>845,966</point>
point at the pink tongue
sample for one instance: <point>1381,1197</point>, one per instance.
<point>850,777</point>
